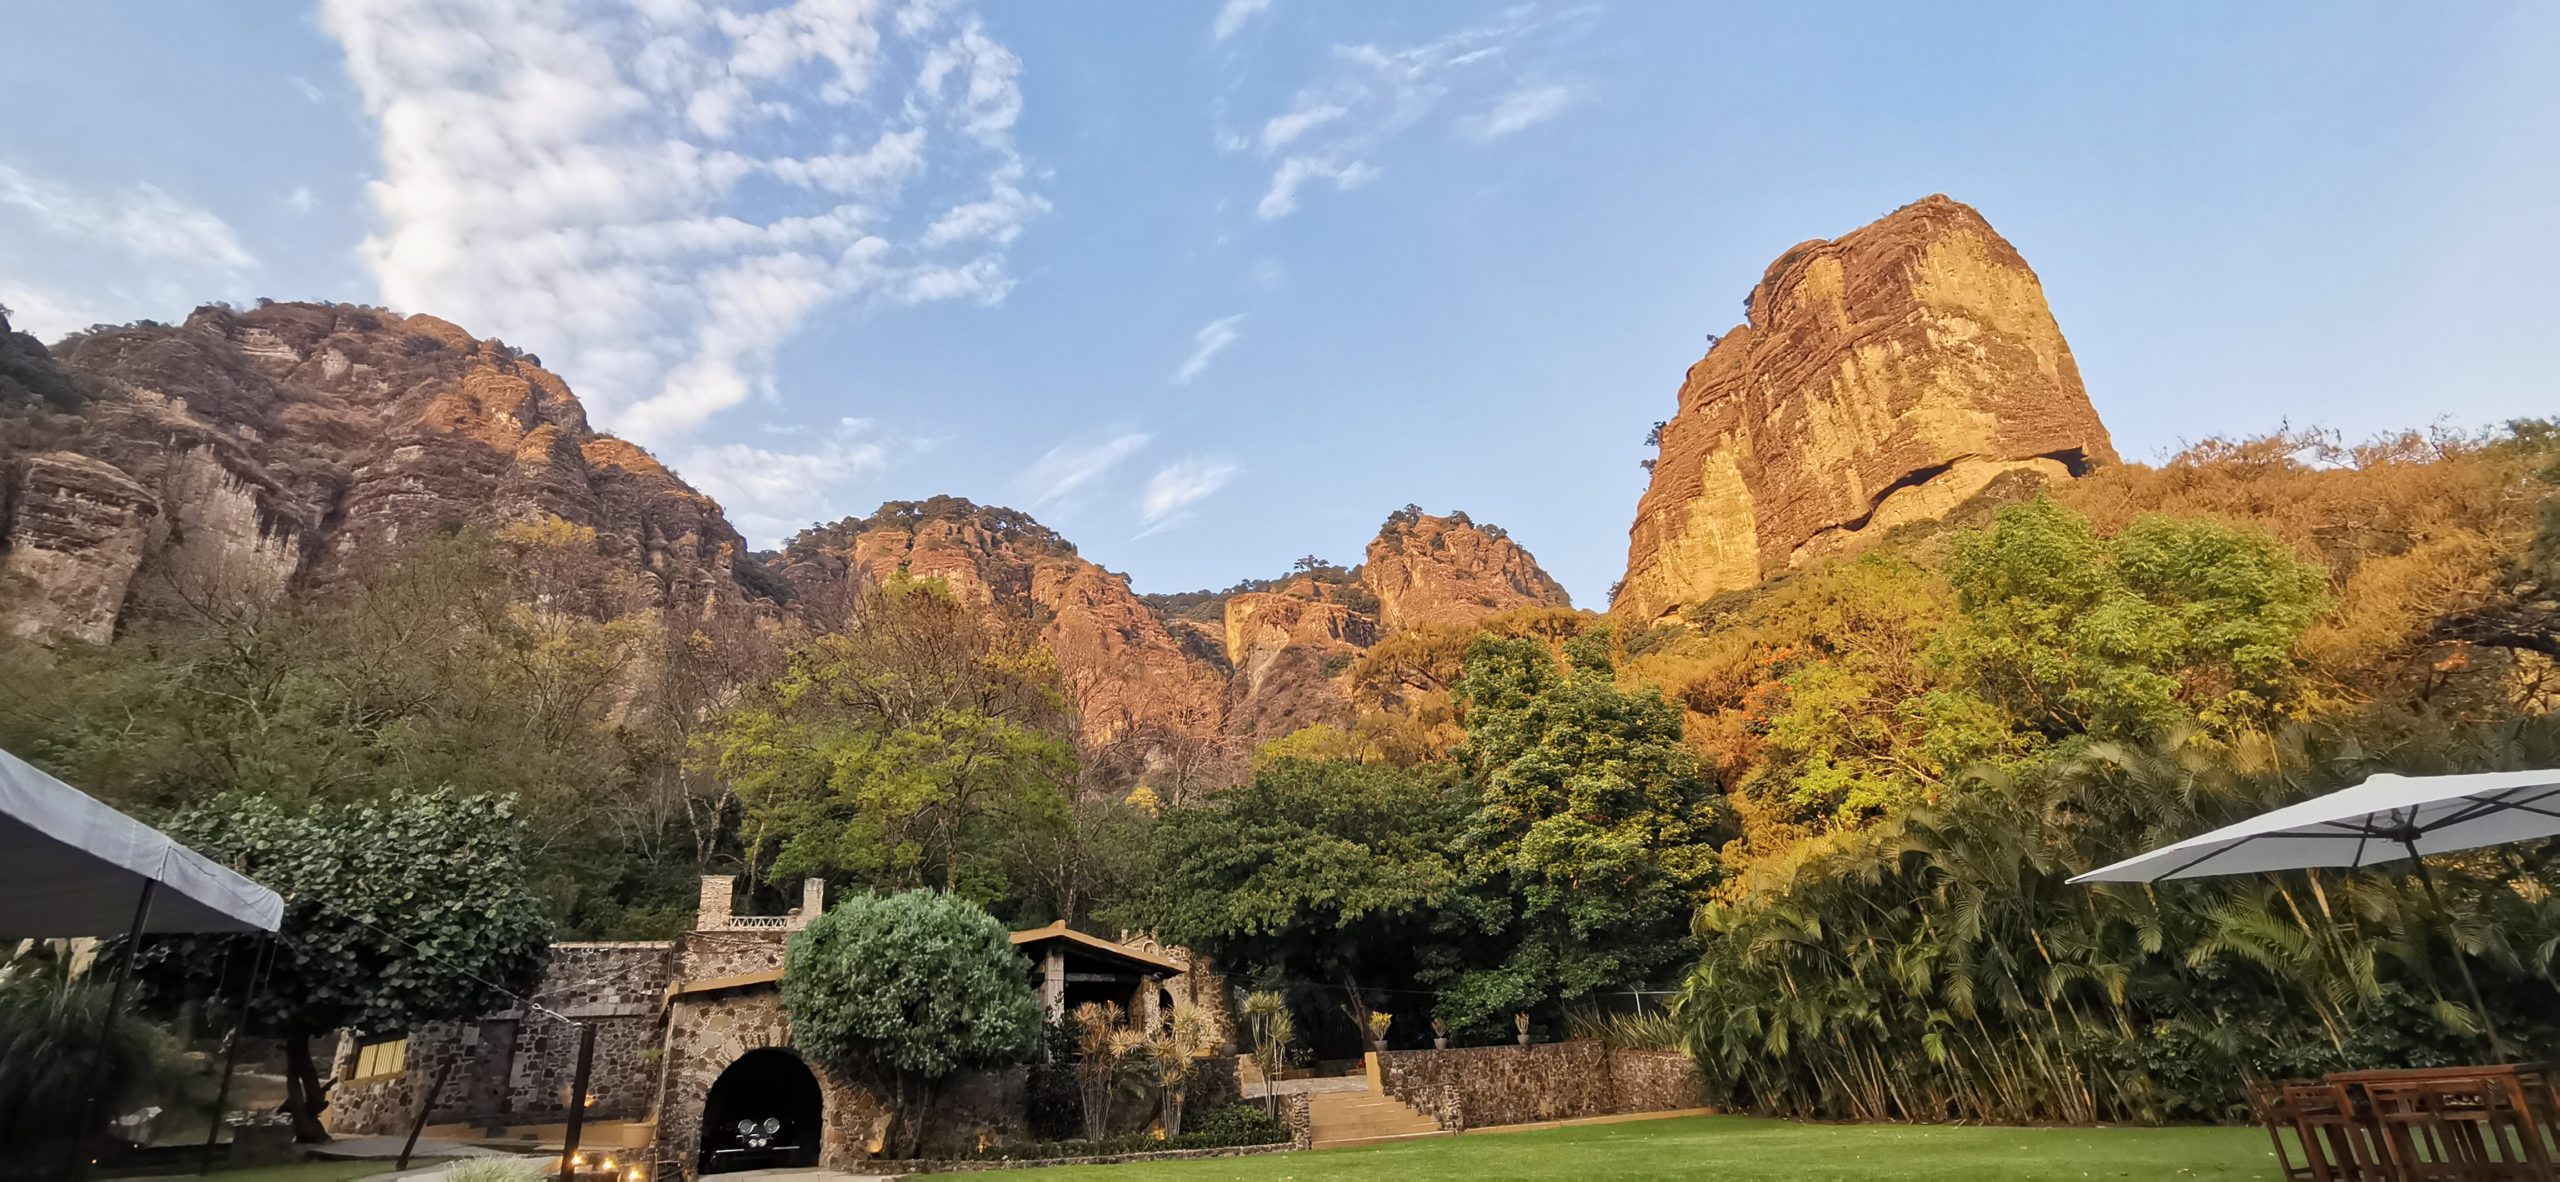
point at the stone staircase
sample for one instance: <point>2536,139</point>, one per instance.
<point>1363,1117</point>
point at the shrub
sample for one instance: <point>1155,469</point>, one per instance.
<point>1237,1124</point>
<point>901,990</point>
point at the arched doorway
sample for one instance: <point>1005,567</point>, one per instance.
<point>763,1112</point>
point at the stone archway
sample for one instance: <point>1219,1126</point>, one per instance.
<point>766,1110</point>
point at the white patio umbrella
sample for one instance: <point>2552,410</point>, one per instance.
<point>2384,819</point>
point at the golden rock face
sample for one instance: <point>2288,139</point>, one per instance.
<point>1882,378</point>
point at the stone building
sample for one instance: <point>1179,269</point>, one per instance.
<point>692,1039</point>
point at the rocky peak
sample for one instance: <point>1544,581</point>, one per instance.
<point>1883,377</point>
<point>1431,571</point>
<point>282,443</point>
<point>1136,685</point>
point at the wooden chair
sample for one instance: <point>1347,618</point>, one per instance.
<point>2337,1139</point>
<point>2493,1126</point>
<point>2418,1139</point>
<point>2267,1103</point>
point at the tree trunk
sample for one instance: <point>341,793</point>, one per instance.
<point>305,1096</point>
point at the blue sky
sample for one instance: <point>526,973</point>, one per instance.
<point>1208,287</point>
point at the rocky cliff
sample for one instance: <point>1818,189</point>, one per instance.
<point>1881,378</point>
<point>1147,699</point>
<point>1430,571</point>
<point>245,452</point>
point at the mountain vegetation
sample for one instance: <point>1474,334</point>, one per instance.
<point>332,591</point>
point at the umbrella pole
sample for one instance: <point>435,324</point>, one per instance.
<point>2427,882</point>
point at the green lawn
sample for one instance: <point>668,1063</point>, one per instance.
<point>1745,1148</point>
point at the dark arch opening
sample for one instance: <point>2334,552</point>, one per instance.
<point>763,1113</point>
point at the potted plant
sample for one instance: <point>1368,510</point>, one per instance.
<point>1521,1022</point>
<point>1439,1033</point>
<point>1379,1020</point>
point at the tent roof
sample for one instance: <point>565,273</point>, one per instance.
<point>70,866</point>
<point>2380,820</point>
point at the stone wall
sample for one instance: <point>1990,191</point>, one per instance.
<point>517,1065</point>
<point>1478,1087</point>
<point>706,1032</point>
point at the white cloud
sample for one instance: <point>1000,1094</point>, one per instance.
<point>1071,466</point>
<point>74,256</point>
<point>304,87</point>
<point>773,493</point>
<point>656,199</point>
<point>1234,15</point>
<point>1171,493</point>
<point>301,199</point>
<point>1299,121</point>
<point>1296,171</point>
<point>1334,129</point>
<point>1524,108</point>
<point>142,222</point>
<point>1212,339</point>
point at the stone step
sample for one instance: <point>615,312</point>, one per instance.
<point>1363,1117</point>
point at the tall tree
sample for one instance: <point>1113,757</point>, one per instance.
<point>900,751</point>
<point>1327,875</point>
<point>1595,829</point>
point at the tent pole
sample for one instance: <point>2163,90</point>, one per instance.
<point>106,1027</point>
<point>231,1051</point>
<point>2489,1025</point>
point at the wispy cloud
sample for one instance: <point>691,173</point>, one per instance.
<point>772,493</point>
<point>1334,129</point>
<point>77,256</point>
<point>1519,110</point>
<point>1071,466</point>
<point>1212,339</point>
<point>304,87</point>
<point>1234,15</point>
<point>1173,491</point>
<point>657,198</point>
<point>301,199</point>
<point>141,221</point>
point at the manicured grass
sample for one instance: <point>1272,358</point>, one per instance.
<point>1746,1149</point>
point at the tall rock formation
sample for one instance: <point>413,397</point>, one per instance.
<point>1148,702</point>
<point>1290,642</point>
<point>1428,571</point>
<point>264,449</point>
<point>1881,378</point>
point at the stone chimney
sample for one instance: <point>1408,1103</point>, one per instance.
<point>719,893</point>
<point>813,899</point>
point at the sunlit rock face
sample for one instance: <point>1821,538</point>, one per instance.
<point>1882,378</point>
<point>288,444</point>
<point>1437,571</point>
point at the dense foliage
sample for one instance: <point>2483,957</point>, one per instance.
<point>904,750</point>
<point>398,911</point>
<point>58,1047</point>
<point>901,990</point>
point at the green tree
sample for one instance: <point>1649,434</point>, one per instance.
<point>901,751</point>
<point>1315,871</point>
<point>902,990</point>
<point>1595,829</point>
<point>408,909</point>
<point>2123,636</point>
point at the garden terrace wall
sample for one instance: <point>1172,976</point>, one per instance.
<point>1479,1087</point>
